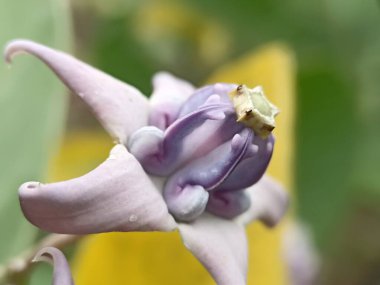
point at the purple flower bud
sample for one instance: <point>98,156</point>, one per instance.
<point>203,150</point>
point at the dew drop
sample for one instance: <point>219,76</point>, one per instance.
<point>132,218</point>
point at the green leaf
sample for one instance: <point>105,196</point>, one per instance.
<point>365,176</point>
<point>32,109</point>
<point>42,274</point>
<point>325,143</point>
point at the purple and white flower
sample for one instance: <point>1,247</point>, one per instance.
<point>182,161</point>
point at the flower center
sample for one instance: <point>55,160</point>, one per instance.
<point>208,156</point>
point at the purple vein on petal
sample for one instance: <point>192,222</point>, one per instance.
<point>116,196</point>
<point>212,169</point>
<point>203,174</point>
<point>62,273</point>
<point>252,167</point>
<point>120,107</point>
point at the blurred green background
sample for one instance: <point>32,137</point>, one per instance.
<point>337,49</point>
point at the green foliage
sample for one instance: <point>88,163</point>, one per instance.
<point>32,108</point>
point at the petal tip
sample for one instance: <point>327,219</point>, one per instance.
<point>44,254</point>
<point>28,193</point>
<point>269,203</point>
<point>161,74</point>
<point>28,187</point>
<point>277,204</point>
<point>57,259</point>
<point>117,151</point>
<point>170,225</point>
<point>275,217</point>
<point>120,107</point>
<point>15,47</point>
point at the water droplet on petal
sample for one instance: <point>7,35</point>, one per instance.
<point>132,218</point>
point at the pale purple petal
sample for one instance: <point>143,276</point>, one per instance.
<point>146,145</point>
<point>228,205</point>
<point>186,203</point>
<point>220,245</point>
<point>301,256</point>
<point>184,192</point>
<point>121,108</point>
<point>186,139</point>
<point>252,167</point>
<point>201,95</point>
<point>212,169</point>
<point>169,93</point>
<point>116,196</point>
<point>269,202</point>
<point>62,273</point>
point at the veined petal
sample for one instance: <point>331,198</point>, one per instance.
<point>201,95</point>
<point>188,138</point>
<point>169,93</point>
<point>269,202</point>
<point>205,174</point>
<point>62,273</point>
<point>185,192</point>
<point>116,196</point>
<point>213,168</point>
<point>220,245</point>
<point>228,205</point>
<point>252,167</point>
<point>121,108</point>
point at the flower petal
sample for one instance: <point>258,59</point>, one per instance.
<point>186,139</point>
<point>220,245</point>
<point>211,169</point>
<point>269,202</point>
<point>228,205</point>
<point>185,192</point>
<point>201,95</point>
<point>300,254</point>
<point>169,93</point>
<point>116,196</point>
<point>186,203</point>
<point>252,167</point>
<point>62,273</point>
<point>121,108</point>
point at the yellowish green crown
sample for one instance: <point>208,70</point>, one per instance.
<point>254,109</point>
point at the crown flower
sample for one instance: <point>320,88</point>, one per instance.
<point>187,159</point>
